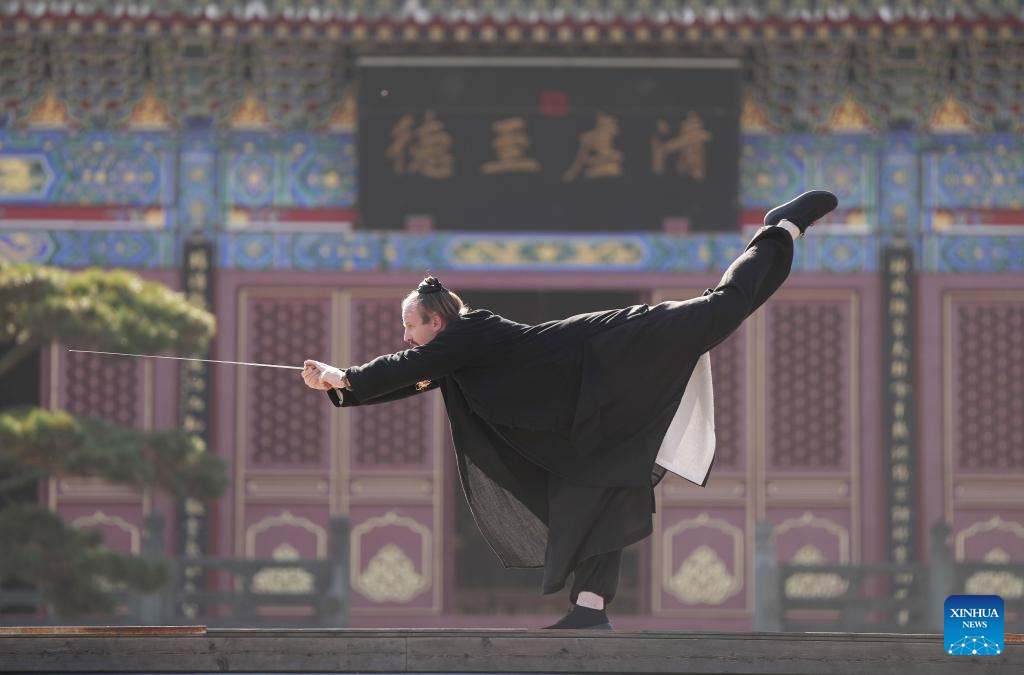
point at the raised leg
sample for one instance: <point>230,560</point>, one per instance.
<point>747,283</point>
<point>755,275</point>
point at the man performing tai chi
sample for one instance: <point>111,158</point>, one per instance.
<point>562,429</point>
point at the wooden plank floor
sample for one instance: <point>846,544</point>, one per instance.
<point>193,649</point>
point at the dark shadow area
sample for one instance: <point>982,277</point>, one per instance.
<point>20,387</point>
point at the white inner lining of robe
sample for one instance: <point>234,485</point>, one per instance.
<point>689,443</point>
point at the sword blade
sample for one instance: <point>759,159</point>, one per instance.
<point>182,358</point>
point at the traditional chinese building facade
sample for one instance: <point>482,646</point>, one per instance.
<point>875,395</point>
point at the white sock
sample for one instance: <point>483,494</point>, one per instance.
<point>591,600</point>
<point>793,230</point>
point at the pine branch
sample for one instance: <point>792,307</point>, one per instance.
<point>72,568</point>
<point>56,442</point>
<point>111,310</point>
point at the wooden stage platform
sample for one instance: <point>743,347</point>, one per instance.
<point>196,650</point>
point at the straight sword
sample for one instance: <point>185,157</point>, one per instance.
<point>182,358</point>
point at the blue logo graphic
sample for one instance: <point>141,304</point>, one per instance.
<point>974,624</point>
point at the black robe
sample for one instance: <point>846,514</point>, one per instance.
<point>557,426</point>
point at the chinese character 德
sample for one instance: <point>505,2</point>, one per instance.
<point>510,144</point>
<point>689,143</point>
<point>597,156</point>
<point>424,150</point>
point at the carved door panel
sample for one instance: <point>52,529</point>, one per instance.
<point>789,420</point>
<point>972,441</point>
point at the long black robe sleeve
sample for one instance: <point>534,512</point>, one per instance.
<point>346,398</point>
<point>449,351</point>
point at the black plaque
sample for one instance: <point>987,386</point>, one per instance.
<point>549,144</point>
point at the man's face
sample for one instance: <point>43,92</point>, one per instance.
<point>417,331</point>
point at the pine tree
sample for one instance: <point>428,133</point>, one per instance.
<point>106,311</point>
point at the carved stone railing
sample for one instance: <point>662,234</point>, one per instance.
<point>860,598</point>
<point>238,592</point>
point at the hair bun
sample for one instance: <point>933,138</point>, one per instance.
<point>430,285</point>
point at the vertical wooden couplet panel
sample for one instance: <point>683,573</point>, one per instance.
<point>900,418</point>
<point>195,414</point>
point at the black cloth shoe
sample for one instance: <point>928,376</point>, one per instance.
<point>803,210</point>
<point>583,617</point>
